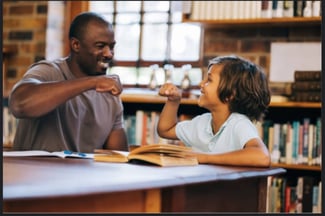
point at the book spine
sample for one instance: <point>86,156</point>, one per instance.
<point>195,14</point>
<point>277,8</point>
<point>307,75</point>
<point>318,150</point>
<point>307,11</point>
<point>306,86</point>
<point>316,8</point>
<point>288,8</point>
<point>307,193</point>
<point>306,96</point>
<point>315,199</point>
<point>289,144</point>
<point>275,154</point>
<point>295,143</point>
<point>300,144</point>
<point>311,140</point>
<point>282,142</point>
<point>305,140</point>
<point>298,8</point>
<point>266,9</point>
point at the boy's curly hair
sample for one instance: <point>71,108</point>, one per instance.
<point>243,85</point>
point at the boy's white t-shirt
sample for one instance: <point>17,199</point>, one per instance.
<point>232,135</point>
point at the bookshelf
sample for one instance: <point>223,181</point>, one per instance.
<point>279,112</point>
<point>260,22</point>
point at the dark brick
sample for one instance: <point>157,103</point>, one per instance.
<point>274,32</point>
<point>221,46</point>
<point>21,35</point>
<point>263,61</point>
<point>11,73</point>
<point>38,58</point>
<point>21,10</point>
<point>255,46</point>
<point>42,9</point>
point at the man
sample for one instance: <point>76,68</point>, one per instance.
<point>70,103</point>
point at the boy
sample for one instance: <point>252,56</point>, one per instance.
<point>236,93</point>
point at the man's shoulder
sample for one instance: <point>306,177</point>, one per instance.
<point>51,63</point>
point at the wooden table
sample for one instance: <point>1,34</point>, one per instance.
<point>50,184</point>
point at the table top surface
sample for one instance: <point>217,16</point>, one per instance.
<point>38,177</point>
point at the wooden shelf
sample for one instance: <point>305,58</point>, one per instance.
<point>297,167</point>
<point>156,99</point>
<point>266,22</point>
<point>151,99</point>
<point>296,104</point>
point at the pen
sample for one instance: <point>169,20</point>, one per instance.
<point>68,152</point>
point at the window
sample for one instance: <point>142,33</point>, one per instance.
<point>151,32</point>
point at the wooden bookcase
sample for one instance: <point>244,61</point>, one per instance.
<point>278,111</point>
<point>284,111</point>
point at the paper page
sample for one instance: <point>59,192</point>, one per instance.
<point>286,58</point>
<point>45,153</point>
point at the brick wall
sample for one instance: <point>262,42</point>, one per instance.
<point>255,43</point>
<point>24,28</point>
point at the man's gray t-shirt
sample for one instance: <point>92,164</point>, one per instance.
<point>81,124</point>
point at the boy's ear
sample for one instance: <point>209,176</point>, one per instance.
<point>231,97</point>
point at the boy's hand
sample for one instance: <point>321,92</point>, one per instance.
<point>171,92</point>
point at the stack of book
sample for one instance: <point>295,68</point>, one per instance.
<point>306,86</point>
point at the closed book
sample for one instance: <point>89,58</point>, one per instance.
<point>266,8</point>
<point>306,86</point>
<point>290,199</point>
<point>298,8</point>
<point>277,8</point>
<point>305,140</point>
<point>288,8</point>
<point>307,75</point>
<point>305,186</point>
<point>282,142</point>
<point>315,199</point>
<point>311,96</point>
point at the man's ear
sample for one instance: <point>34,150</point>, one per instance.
<point>75,44</point>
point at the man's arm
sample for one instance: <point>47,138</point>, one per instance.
<point>36,98</point>
<point>117,140</point>
<point>253,154</point>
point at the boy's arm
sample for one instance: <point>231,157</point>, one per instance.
<point>253,154</point>
<point>168,116</point>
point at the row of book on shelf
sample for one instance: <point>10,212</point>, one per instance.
<point>302,194</point>
<point>141,128</point>
<point>306,87</point>
<point>296,142</point>
<point>219,10</point>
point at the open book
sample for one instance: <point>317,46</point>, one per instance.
<point>158,154</point>
<point>61,154</point>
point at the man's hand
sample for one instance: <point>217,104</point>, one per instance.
<point>171,92</point>
<point>109,83</point>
